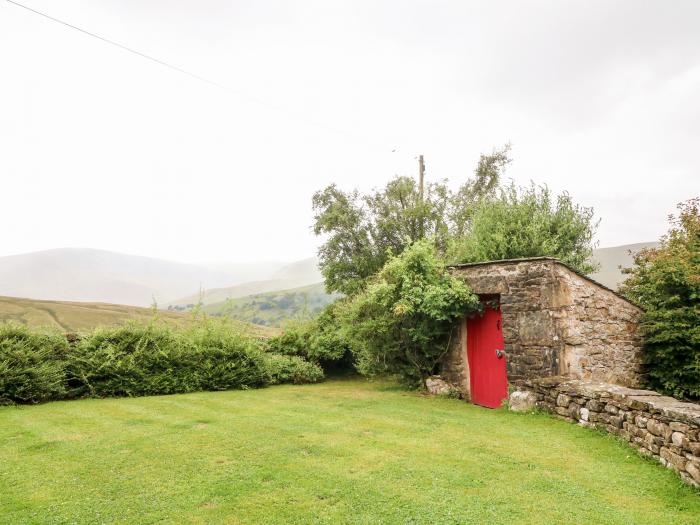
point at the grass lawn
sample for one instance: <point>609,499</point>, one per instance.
<point>338,452</point>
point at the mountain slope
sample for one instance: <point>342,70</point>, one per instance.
<point>294,275</point>
<point>78,274</point>
<point>75,316</point>
<point>612,259</point>
<point>274,308</point>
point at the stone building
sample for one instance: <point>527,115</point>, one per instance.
<point>541,319</point>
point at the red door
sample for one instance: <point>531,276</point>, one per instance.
<point>487,360</point>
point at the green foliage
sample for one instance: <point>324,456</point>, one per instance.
<point>364,231</point>
<point>140,359</point>
<point>480,221</point>
<point>31,364</point>
<point>403,322</point>
<point>292,369</point>
<point>321,340</point>
<point>150,359</point>
<point>665,282</point>
<point>529,222</point>
<point>275,308</point>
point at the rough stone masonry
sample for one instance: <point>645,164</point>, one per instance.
<point>657,426</point>
<point>555,322</point>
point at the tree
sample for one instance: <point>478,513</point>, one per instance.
<point>364,231</point>
<point>528,222</point>
<point>403,322</point>
<point>665,282</point>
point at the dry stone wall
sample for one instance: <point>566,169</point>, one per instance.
<point>657,426</point>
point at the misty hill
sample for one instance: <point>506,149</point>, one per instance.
<point>81,274</point>
<point>78,274</point>
<point>274,308</point>
<point>294,275</point>
<point>611,259</point>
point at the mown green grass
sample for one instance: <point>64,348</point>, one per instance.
<point>339,452</point>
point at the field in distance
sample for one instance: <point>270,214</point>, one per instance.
<point>274,308</point>
<point>76,316</point>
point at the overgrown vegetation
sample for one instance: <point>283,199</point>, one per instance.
<point>322,340</point>
<point>403,322</point>
<point>140,359</point>
<point>387,251</point>
<point>32,364</point>
<point>665,282</point>
<point>482,220</point>
<point>528,222</point>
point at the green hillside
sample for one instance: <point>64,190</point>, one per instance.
<point>273,308</point>
<point>77,317</point>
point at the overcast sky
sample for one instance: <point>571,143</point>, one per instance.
<point>101,148</point>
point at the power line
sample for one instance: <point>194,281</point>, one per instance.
<point>238,93</point>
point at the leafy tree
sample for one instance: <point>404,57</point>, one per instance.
<point>403,322</point>
<point>529,222</point>
<point>486,181</point>
<point>364,231</point>
<point>665,282</point>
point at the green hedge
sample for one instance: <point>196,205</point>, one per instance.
<point>32,364</point>
<point>137,360</point>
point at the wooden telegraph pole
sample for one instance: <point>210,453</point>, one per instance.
<point>421,182</point>
<point>421,175</point>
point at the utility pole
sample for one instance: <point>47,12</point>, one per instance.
<point>421,182</point>
<point>421,175</point>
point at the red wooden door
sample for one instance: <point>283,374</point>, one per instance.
<point>487,361</point>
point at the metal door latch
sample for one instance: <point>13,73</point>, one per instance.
<point>500,353</point>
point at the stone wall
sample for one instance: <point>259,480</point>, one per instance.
<point>529,298</point>
<point>555,322</point>
<point>657,426</point>
<point>601,341</point>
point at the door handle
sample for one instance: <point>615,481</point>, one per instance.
<point>500,353</point>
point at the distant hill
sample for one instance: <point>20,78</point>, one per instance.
<point>74,316</point>
<point>77,317</point>
<point>274,308</point>
<point>81,274</point>
<point>294,275</point>
<point>613,258</point>
<point>243,272</point>
<point>77,274</point>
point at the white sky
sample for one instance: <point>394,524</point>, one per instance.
<point>100,148</point>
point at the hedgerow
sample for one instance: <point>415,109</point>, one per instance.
<point>139,359</point>
<point>32,364</point>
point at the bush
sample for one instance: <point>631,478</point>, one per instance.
<point>292,369</point>
<point>31,364</point>
<point>665,282</point>
<point>321,340</point>
<point>403,323</point>
<point>226,359</point>
<point>138,360</point>
<point>529,222</point>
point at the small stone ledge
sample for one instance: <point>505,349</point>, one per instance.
<point>656,425</point>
